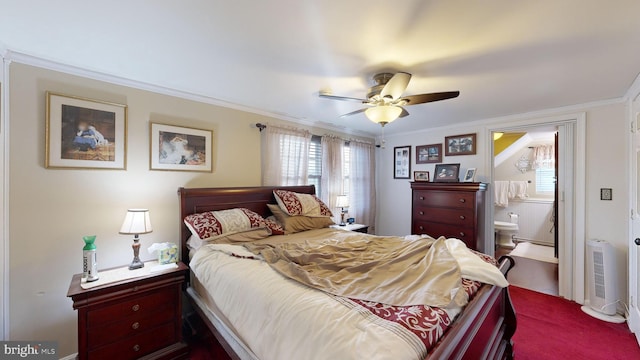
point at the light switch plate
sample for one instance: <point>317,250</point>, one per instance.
<point>606,194</point>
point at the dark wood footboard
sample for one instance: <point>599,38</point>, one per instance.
<point>485,327</point>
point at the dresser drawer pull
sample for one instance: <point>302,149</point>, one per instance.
<point>421,228</point>
<point>461,234</point>
<point>421,212</point>
<point>421,197</point>
<point>462,217</point>
<point>462,200</point>
<point>136,347</point>
<point>135,307</point>
<point>135,325</point>
<point>135,288</point>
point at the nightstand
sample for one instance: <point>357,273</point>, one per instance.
<point>133,318</point>
<point>353,227</point>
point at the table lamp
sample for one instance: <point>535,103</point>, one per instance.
<point>342,202</point>
<point>135,223</point>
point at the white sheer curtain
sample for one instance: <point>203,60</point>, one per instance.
<point>362,184</point>
<point>544,157</point>
<point>285,156</point>
<point>332,181</point>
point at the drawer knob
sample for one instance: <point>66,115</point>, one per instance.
<point>135,288</point>
<point>421,228</point>
<point>461,233</point>
<point>462,200</point>
<point>136,347</point>
<point>462,217</point>
<point>421,213</point>
<point>421,197</point>
<point>135,307</point>
<point>135,325</point>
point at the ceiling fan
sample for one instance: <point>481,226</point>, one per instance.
<point>385,98</point>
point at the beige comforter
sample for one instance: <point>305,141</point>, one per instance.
<point>388,270</point>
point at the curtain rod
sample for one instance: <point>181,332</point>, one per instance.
<point>263,126</point>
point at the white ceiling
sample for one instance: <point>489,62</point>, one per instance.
<point>504,56</point>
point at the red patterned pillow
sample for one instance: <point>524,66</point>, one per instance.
<point>276,229</point>
<point>295,204</point>
<point>212,223</point>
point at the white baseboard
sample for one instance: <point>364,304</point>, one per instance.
<point>70,357</point>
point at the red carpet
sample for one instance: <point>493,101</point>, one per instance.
<point>553,328</point>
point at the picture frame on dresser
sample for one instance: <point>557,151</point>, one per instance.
<point>421,176</point>
<point>460,145</point>
<point>85,133</point>
<point>402,162</point>
<point>446,173</point>
<point>469,175</point>
<point>429,154</point>
<point>180,148</point>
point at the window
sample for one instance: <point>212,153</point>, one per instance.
<point>545,181</point>
<point>346,169</point>
<point>315,162</point>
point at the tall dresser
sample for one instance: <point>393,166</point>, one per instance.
<point>452,210</point>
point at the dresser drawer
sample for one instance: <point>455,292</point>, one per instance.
<point>140,305</point>
<point>447,199</point>
<point>435,230</point>
<point>460,217</point>
<point>136,324</point>
<point>137,345</point>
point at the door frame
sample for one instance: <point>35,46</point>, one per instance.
<point>572,187</point>
<point>633,318</point>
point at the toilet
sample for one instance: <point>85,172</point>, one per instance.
<point>505,231</point>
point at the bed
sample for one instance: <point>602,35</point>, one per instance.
<point>483,330</point>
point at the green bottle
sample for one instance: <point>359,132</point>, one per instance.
<point>89,259</point>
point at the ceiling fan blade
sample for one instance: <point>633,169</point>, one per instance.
<point>396,86</point>
<point>353,112</point>
<point>404,113</point>
<point>425,98</point>
<point>341,98</point>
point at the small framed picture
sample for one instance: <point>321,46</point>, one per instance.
<point>447,173</point>
<point>402,162</point>
<point>85,134</point>
<point>181,148</point>
<point>460,145</point>
<point>429,154</point>
<point>470,175</point>
<point>421,176</point>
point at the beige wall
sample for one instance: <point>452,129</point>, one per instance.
<point>50,209</point>
<point>606,167</point>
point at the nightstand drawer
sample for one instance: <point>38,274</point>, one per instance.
<point>138,305</point>
<point>443,199</point>
<point>112,332</point>
<point>138,345</point>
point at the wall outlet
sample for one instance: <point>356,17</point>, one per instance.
<point>606,194</point>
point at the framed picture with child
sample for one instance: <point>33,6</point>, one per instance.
<point>85,133</point>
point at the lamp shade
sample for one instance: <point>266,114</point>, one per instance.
<point>383,114</point>
<point>136,222</point>
<point>342,201</point>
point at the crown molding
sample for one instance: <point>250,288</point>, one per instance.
<point>32,60</point>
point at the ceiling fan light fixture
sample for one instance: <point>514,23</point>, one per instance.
<point>383,114</point>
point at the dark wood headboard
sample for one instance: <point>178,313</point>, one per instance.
<point>193,201</point>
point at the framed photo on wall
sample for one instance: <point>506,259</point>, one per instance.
<point>446,173</point>
<point>460,145</point>
<point>84,133</point>
<point>429,154</point>
<point>402,162</point>
<point>180,148</point>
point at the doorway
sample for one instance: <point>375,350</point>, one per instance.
<point>525,206</point>
<point>570,219</point>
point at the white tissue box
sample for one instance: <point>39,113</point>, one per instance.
<point>168,255</point>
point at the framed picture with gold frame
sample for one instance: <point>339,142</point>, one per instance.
<point>84,133</point>
<point>180,148</point>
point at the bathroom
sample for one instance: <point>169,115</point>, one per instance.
<point>524,206</point>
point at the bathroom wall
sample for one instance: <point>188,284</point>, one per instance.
<point>534,219</point>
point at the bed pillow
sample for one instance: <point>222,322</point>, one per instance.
<point>213,223</point>
<point>194,242</point>
<point>274,226</point>
<point>294,224</point>
<point>296,204</point>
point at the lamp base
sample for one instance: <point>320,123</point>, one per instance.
<point>136,263</point>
